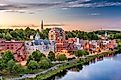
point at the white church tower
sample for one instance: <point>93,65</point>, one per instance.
<point>37,37</point>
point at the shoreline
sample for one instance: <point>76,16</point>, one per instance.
<point>73,63</point>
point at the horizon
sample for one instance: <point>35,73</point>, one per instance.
<point>84,15</point>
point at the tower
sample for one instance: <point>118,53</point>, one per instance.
<point>106,34</point>
<point>37,36</point>
<point>57,34</point>
<point>41,25</point>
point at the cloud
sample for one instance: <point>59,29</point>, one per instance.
<point>94,4</point>
<point>16,6</point>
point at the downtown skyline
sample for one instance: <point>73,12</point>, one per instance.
<point>87,15</point>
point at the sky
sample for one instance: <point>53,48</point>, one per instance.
<point>85,15</point>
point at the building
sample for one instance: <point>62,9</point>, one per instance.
<point>58,35</point>
<point>17,48</point>
<point>78,43</point>
<point>44,46</point>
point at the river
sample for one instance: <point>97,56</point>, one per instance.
<point>107,68</point>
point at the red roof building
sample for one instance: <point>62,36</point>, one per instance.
<point>58,35</point>
<point>17,48</point>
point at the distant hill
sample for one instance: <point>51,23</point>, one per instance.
<point>100,32</point>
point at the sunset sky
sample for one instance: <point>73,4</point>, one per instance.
<point>87,15</point>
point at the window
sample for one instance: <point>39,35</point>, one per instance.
<point>11,47</point>
<point>7,47</point>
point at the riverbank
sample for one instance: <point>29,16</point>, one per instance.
<point>70,64</point>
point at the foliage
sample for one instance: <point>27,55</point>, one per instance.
<point>2,64</point>
<point>81,35</point>
<point>80,53</point>
<point>37,55</point>
<point>33,65</point>
<point>29,59</point>
<point>10,64</point>
<point>8,36</point>
<point>17,68</point>
<point>45,63</point>
<point>8,56</point>
<point>61,57</point>
<point>51,56</point>
<point>20,34</point>
<point>115,36</point>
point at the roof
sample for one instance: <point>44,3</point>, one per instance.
<point>39,42</point>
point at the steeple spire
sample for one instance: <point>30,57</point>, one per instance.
<point>41,25</point>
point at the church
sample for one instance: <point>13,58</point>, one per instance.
<point>44,46</point>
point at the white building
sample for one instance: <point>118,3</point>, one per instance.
<point>79,44</point>
<point>44,46</point>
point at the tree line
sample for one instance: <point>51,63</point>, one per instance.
<point>20,34</point>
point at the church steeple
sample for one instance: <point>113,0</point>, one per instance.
<point>37,36</point>
<point>41,25</point>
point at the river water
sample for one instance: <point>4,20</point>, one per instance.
<point>107,68</point>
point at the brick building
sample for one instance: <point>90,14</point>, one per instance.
<point>58,35</point>
<point>17,48</point>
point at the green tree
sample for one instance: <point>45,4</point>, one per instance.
<point>37,55</point>
<point>61,57</point>
<point>8,36</point>
<point>2,65</point>
<point>45,63</point>
<point>17,68</point>
<point>51,56</point>
<point>80,53</point>
<point>7,56</point>
<point>30,58</point>
<point>1,35</point>
<point>10,65</point>
<point>33,65</point>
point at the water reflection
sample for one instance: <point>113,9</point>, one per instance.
<point>59,75</point>
<point>107,68</point>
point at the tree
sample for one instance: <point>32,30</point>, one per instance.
<point>8,56</point>
<point>61,57</point>
<point>10,64</point>
<point>14,34</point>
<point>86,52</point>
<point>80,53</point>
<point>33,65</point>
<point>2,64</point>
<point>37,55</point>
<point>45,63</point>
<point>8,36</point>
<point>30,58</point>
<point>1,35</point>
<point>51,56</point>
<point>17,68</point>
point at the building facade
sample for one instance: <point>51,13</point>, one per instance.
<point>44,46</point>
<point>58,35</point>
<point>16,47</point>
